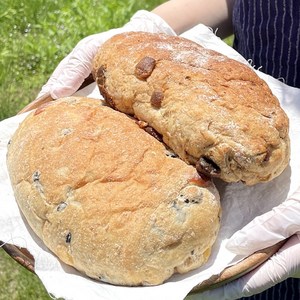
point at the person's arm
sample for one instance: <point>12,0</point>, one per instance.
<point>182,15</point>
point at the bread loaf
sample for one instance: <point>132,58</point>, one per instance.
<point>108,198</point>
<point>212,111</point>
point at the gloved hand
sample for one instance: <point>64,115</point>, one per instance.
<point>75,67</point>
<point>266,230</point>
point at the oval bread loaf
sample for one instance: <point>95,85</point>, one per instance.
<point>212,111</point>
<point>108,198</point>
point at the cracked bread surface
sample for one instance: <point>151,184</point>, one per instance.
<point>108,198</point>
<point>212,111</point>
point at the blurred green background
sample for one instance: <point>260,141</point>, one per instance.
<point>35,35</point>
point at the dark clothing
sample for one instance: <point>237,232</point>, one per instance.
<point>286,290</point>
<point>267,32</point>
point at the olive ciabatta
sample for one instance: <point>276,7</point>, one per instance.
<point>108,198</point>
<point>214,112</point>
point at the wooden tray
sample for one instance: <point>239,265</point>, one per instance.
<point>23,257</point>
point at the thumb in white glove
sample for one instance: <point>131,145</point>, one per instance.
<point>76,66</point>
<point>283,264</point>
<point>278,224</point>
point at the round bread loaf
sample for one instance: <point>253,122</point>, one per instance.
<point>212,111</point>
<point>108,198</point>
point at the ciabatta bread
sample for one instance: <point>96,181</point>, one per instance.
<point>108,198</point>
<point>214,112</point>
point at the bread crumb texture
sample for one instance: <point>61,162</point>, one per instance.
<point>214,112</point>
<point>108,198</point>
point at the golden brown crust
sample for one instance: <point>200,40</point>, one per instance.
<point>107,197</point>
<point>214,112</point>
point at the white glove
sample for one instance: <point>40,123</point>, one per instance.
<point>266,230</point>
<point>75,67</point>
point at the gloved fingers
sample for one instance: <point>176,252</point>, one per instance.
<point>283,264</point>
<point>75,67</point>
<point>144,20</point>
<point>269,228</point>
<point>286,262</point>
<point>53,78</point>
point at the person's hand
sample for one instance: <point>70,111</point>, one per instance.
<point>281,223</point>
<point>75,67</point>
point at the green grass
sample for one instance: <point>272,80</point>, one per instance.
<point>16,282</point>
<point>34,36</point>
